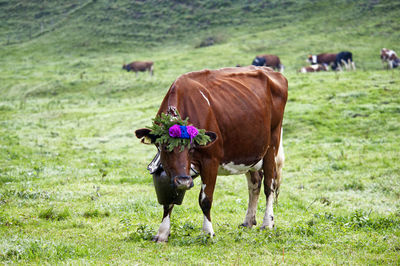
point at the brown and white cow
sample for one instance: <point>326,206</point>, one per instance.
<point>242,109</point>
<point>139,66</point>
<point>269,60</point>
<point>323,59</point>
<point>313,68</point>
<point>389,57</point>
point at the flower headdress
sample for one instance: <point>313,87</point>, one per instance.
<point>173,131</point>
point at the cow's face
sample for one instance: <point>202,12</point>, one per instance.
<point>309,59</point>
<point>259,61</point>
<point>176,163</point>
<point>127,67</point>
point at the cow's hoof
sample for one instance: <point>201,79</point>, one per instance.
<point>270,226</point>
<point>159,239</point>
<point>268,223</point>
<point>248,225</point>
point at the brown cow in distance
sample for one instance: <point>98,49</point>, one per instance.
<point>323,59</point>
<point>313,68</point>
<point>139,66</point>
<point>241,110</point>
<point>268,60</point>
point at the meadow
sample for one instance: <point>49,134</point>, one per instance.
<point>73,181</point>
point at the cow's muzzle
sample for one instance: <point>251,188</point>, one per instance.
<point>183,182</point>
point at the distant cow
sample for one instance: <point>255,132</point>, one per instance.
<point>324,59</point>
<point>344,59</point>
<point>390,57</point>
<point>139,66</point>
<point>313,68</point>
<point>268,60</point>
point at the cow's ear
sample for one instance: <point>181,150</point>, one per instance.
<point>145,135</point>
<point>213,138</point>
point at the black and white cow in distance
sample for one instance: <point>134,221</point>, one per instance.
<point>242,110</point>
<point>344,59</point>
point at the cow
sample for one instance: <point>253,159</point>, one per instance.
<point>269,60</point>
<point>324,59</point>
<point>314,68</point>
<point>140,66</point>
<point>344,59</point>
<point>241,110</point>
<point>390,57</point>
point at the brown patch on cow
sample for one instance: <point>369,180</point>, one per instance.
<point>324,58</point>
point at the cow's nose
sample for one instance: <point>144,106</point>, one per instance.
<point>183,182</point>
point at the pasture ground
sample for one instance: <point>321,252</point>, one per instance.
<point>73,181</point>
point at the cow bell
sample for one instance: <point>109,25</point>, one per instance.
<point>166,191</point>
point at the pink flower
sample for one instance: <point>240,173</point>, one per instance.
<point>175,131</point>
<point>192,131</point>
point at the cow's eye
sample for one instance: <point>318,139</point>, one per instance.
<point>164,148</point>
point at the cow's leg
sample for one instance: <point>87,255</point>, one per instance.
<point>269,186</point>
<point>208,178</point>
<point>272,174</point>
<point>165,227</point>
<point>346,64</point>
<point>390,64</point>
<point>151,71</point>
<point>343,64</point>
<point>281,68</point>
<point>279,161</point>
<point>254,180</point>
<point>353,65</point>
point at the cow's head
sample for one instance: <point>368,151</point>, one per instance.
<point>396,62</point>
<point>127,67</point>
<point>309,59</point>
<point>176,161</point>
<point>177,145</point>
<point>259,61</point>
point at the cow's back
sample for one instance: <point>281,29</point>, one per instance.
<point>242,105</point>
<point>141,65</point>
<point>271,60</point>
<point>326,58</point>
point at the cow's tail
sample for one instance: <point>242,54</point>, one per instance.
<point>279,160</point>
<point>281,67</point>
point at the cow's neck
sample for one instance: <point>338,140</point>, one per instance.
<point>314,59</point>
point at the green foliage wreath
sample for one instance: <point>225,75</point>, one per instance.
<point>161,126</point>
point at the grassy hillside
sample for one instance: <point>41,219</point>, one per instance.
<point>73,181</point>
<point>127,25</point>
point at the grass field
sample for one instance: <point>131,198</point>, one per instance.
<point>73,181</point>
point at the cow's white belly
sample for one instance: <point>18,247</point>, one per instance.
<point>236,169</point>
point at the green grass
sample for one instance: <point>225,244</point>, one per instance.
<point>73,181</point>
